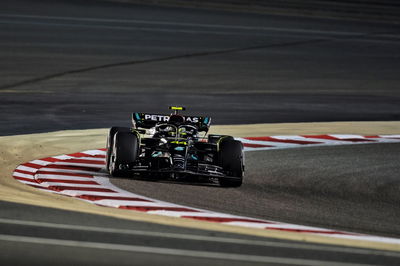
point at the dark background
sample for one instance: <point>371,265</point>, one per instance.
<point>89,64</point>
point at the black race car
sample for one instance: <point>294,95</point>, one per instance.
<point>169,146</point>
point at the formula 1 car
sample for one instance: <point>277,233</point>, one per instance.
<point>169,146</point>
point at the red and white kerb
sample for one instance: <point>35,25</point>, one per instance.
<point>82,175</point>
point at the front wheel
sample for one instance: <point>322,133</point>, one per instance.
<point>124,153</point>
<point>231,158</point>
<point>110,142</point>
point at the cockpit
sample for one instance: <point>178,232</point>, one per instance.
<point>173,131</point>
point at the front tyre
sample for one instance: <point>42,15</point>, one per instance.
<point>124,153</point>
<point>110,142</point>
<point>231,158</point>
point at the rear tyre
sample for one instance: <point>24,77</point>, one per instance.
<point>212,138</point>
<point>110,142</point>
<point>232,161</point>
<point>124,153</point>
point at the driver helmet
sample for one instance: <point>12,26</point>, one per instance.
<point>176,119</point>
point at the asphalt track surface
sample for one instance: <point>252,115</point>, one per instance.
<point>44,236</point>
<point>88,64</point>
<point>85,64</point>
<point>316,186</point>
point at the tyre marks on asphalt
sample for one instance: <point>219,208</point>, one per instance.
<point>82,175</point>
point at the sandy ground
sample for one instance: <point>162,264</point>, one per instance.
<point>15,150</point>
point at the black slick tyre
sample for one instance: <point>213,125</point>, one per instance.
<point>231,159</point>
<point>212,138</point>
<point>124,153</point>
<point>110,142</point>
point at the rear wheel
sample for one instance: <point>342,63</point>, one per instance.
<point>124,153</point>
<point>212,138</point>
<point>110,142</point>
<point>231,159</point>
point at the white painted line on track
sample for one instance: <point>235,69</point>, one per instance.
<point>71,171</point>
<point>248,224</point>
<point>76,193</point>
<point>79,164</point>
<point>40,162</point>
<point>170,251</point>
<point>237,241</point>
<point>63,157</point>
<point>17,174</point>
<point>26,168</point>
<point>93,159</point>
<point>192,214</point>
<point>133,203</point>
<point>51,184</point>
<point>94,152</point>
<point>62,177</point>
<point>31,183</point>
<point>390,136</point>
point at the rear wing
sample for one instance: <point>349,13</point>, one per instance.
<point>148,120</point>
